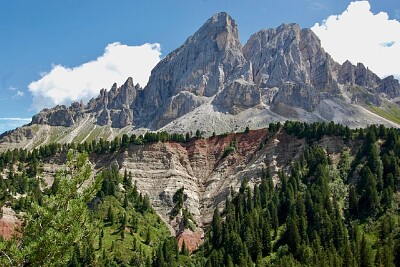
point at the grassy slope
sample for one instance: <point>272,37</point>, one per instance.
<point>388,110</point>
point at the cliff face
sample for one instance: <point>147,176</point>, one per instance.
<point>213,83</point>
<point>290,54</point>
<point>205,171</point>
<point>202,167</point>
<point>201,66</point>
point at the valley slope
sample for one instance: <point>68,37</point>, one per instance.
<point>208,169</point>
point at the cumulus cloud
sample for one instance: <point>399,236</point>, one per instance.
<point>359,35</point>
<point>63,85</point>
<point>11,123</point>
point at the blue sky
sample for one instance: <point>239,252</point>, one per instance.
<point>38,36</point>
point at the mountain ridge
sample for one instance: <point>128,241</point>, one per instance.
<point>278,74</point>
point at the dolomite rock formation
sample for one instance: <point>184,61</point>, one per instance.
<point>280,73</point>
<point>238,96</point>
<point>390,87</point>
<point>202,65</point>
<point>290,54</point>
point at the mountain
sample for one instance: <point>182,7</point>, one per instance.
<point>215,84</point>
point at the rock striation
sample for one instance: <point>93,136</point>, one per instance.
<point>203,168</point>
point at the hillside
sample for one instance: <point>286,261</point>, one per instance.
<point>206,168</point>
<point>214,83</point>
<point>348,177</point>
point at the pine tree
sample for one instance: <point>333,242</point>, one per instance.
<point>148,236</point>
<point>294,239</point>
<point>217,228</point>
<point>348,258</point>
<point>366,253</point>
<point>353,201</point>
<point>56,229</point>
<point>184,249</point>
<point>100,241</point>
<point>266,237</point>
<point>110,215</point>
<point>369,200</point>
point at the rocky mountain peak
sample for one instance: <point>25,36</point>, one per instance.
<point>289,54</point>
<point>389,86</point>
<point>212,82</point>
<point>200,67</point>
<point>223,29</point>
<point>359,75</point>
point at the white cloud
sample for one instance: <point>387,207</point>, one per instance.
<point>359,35</point>
<point>18,94</point>
<point>62,85</point>
<point>15,119</point>
<point>317,4</point>
<point>12,123</point>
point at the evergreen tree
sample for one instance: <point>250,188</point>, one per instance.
<point>184,249</point>
<point>59,227</point>
<point>110,215</point>
<point>366,253</point>
<point>369,200</point>
<point>217,228</point>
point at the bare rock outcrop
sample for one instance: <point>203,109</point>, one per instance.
<point>297,95</point>
<point>9,223</point>
<point>205,171</point>
<point>238,96</point>
<point>290,54</point>
<point>357,75</point>
<point>389,86</point>
<point>201,66</point>
<point>58,116</point>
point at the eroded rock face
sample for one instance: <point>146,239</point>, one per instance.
<point>58,116</point>
<point>160,169</point>
<point>9,223</point>
<point>201,66</point>
<point>297,95</point>
<point>357,75</point>
<point>390,87</point>
<point>290,54</point>
<point>191,239</point>
<point>238,96</point>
